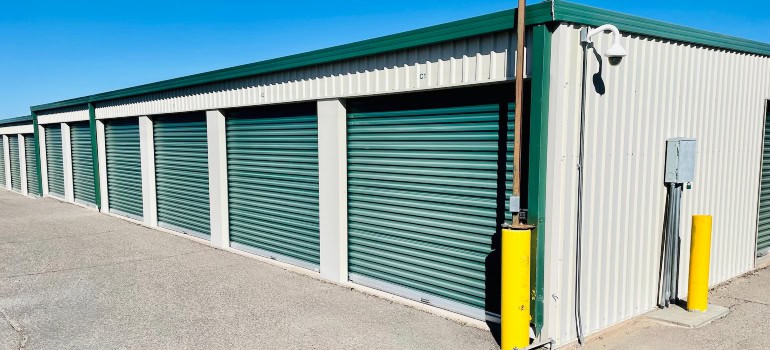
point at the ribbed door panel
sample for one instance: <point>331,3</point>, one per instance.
<point>422,201</point>
<point>2,162</point>
<point>763,220</point>
<point>13,146</point>
<point>182,174</point>
<point>272,165</point>
<point>29,151</point>
<point>54,160</point>
<point>124,167</point>
<point>82,163</point>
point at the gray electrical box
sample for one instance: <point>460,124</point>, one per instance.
<point>680,160</point>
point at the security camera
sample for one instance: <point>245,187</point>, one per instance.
<point>616,52</point>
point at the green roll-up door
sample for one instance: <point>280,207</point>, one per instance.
<point>272,165</point>
<point>763,219</point>
<point>182,174</point>
<point>423,199</point>
<point>13,147</point>
<point>82,163</point>
<point>2,162</point>
<point>29,150</point>
<point>54,160</point>
<point>124,167</point>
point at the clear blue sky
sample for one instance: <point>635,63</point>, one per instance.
<point>55,50</point>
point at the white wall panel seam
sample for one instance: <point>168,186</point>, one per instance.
<point>218,190</point>
<point>332,181</point>
<point>101,146</point>
<point>147,150</point>
<point>66,142</point>
<point>43,160</point>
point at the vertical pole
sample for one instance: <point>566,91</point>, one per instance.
<point>515,303</point>
<point>66,146</point>
<point>516,239</point>
<point>218,191</point>
<point>101,148</point>
<point>95,156</point>
<point>147,151</point>
<point>520,28</point>
<point>22,165</point>
<point>700,257</point>
<point>332,180</point>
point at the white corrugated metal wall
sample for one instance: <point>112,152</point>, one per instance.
<point>662,89</point>
<point>481,59</point>
<point>63,115</point>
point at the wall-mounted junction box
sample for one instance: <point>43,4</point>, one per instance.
<point>680,160</point>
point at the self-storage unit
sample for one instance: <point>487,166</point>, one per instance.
<point>82,163</point>
<point>17,164</point>
<point>272,178</point>
<point>124,167</point>
<point>67,159</point>
<point>182,174</point>
<point>13,160</point>
<point>411,172</point>
<point>55,160</point>
<point>30,167</point>
<point>387,164</point>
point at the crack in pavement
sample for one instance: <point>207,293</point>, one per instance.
<point>23,337</point>
<point>107,264</point>
<point>57,238</point>
<point>745,301</point>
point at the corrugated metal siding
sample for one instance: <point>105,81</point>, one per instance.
<point>54,160</point>
<point>29,150</point>
<point>13,147</point>
<point>661,90</point>
<point>82,163</point>
<point>272,165</point>
<point>124,166</point>
<point>475,60</point>
<point>2,162</point>
<point>182,173</point>
<point>63,115</point>
<point>422,202</point>
<point>763,219</point>
<point>16,129</point>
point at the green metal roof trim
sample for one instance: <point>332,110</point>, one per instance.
<point>498,21</point>
<point>575,13</point>
<point>27,119</point>
<point>504,20</point>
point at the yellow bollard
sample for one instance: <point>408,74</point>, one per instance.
<point>700,256</point>
<point>514,313</point>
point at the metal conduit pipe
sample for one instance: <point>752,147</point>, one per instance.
<point>579,209</point>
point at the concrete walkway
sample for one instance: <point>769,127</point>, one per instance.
<point>747,326</point>
<point>71,278</point>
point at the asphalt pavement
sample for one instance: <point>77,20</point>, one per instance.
<point>72,278</point>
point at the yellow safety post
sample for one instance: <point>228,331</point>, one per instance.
<point>700,256</point>
<point>514,313</point>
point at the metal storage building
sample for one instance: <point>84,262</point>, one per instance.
<point>18,156</point>
<point>385,164</point>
